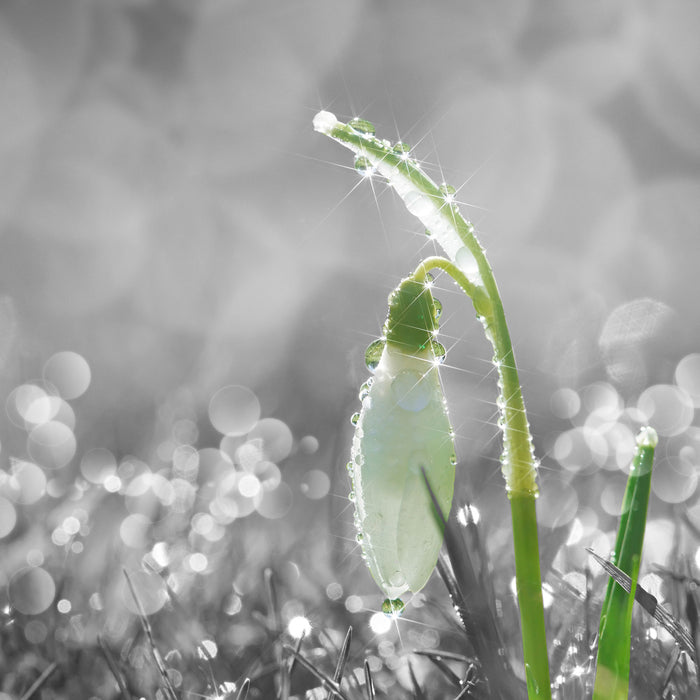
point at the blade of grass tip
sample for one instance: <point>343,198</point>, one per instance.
<point>613,660</point>
<point>327,682</point>
<point>287,676</point>
<point>650,605</point>
<point>440,654</point>
<point>243,692</point>
<point>114,668</point>
<point>342,660</point>
<point>444,668</point>
<point>466,692</point>
<point>668,669</point>
<point>417,690</point>
<point>40,680</point>
<point>369,682</point>
<point>479,624</point>
<point>145,623</point>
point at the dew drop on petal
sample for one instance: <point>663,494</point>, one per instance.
<point>234,410</point>
<point>438,350</point>
<point>69,373</point>
<point>373,354</point>
<point>395,607</point>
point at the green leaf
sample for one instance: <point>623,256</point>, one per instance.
<point>613,664</point>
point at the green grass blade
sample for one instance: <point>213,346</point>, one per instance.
<point>613,664</point>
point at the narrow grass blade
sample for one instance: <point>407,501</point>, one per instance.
<point>418,693</point>
<point>369,682</point>
<point>327,682</point>
<point>40,680</point>
<point>157,658</point>
<point>243,692</point>
<point>342,660</point>
<point>613,662</point>
<point>650,605</point>
<point>114,668</point>
<point>479,623</point>
<point>437,659</point>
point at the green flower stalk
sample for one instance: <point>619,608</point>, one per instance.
<point>402,433</point>
<point>435,207</point>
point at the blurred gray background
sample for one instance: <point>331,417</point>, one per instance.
<point>168,213</point>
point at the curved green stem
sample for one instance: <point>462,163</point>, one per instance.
<point>435,207</point>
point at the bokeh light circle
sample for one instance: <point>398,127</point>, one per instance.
<point>557,504</point>
<point>98,464</point>
<point>687,377</point>
<point>32,590</point>
<point>276,504</point>
<point>674,480</point>
<point>69,372</point>
<point>316,484</point>
<point>27,482</point>
<point>8,517</point>
<point>134,530</point>
<point>565,403</point>
<point>275,436</point>
<point>667,408</point>
<point>51,444</point>
<point>234,410</point>
<point>149,589</point>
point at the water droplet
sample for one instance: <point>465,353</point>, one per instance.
<point>351,496</point>
<point>401,148</point>
<point>453,459</point>
<point>355,418</point>
<point>394,608</point>
<point>362,125</point>
<point>427,233</point>
<point>397,579</point>
<point>438,350</point>
<point>363,165</point>
<point>411,390</point>
<point>374,353</point>
<point>647,437</point>
<point>359,537</point>
<point>364,391</point>
<point>437,308</point>
<point>448,192</point>
<point>350,466</point>
<point>429,279</point>
<point>467,263</point>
